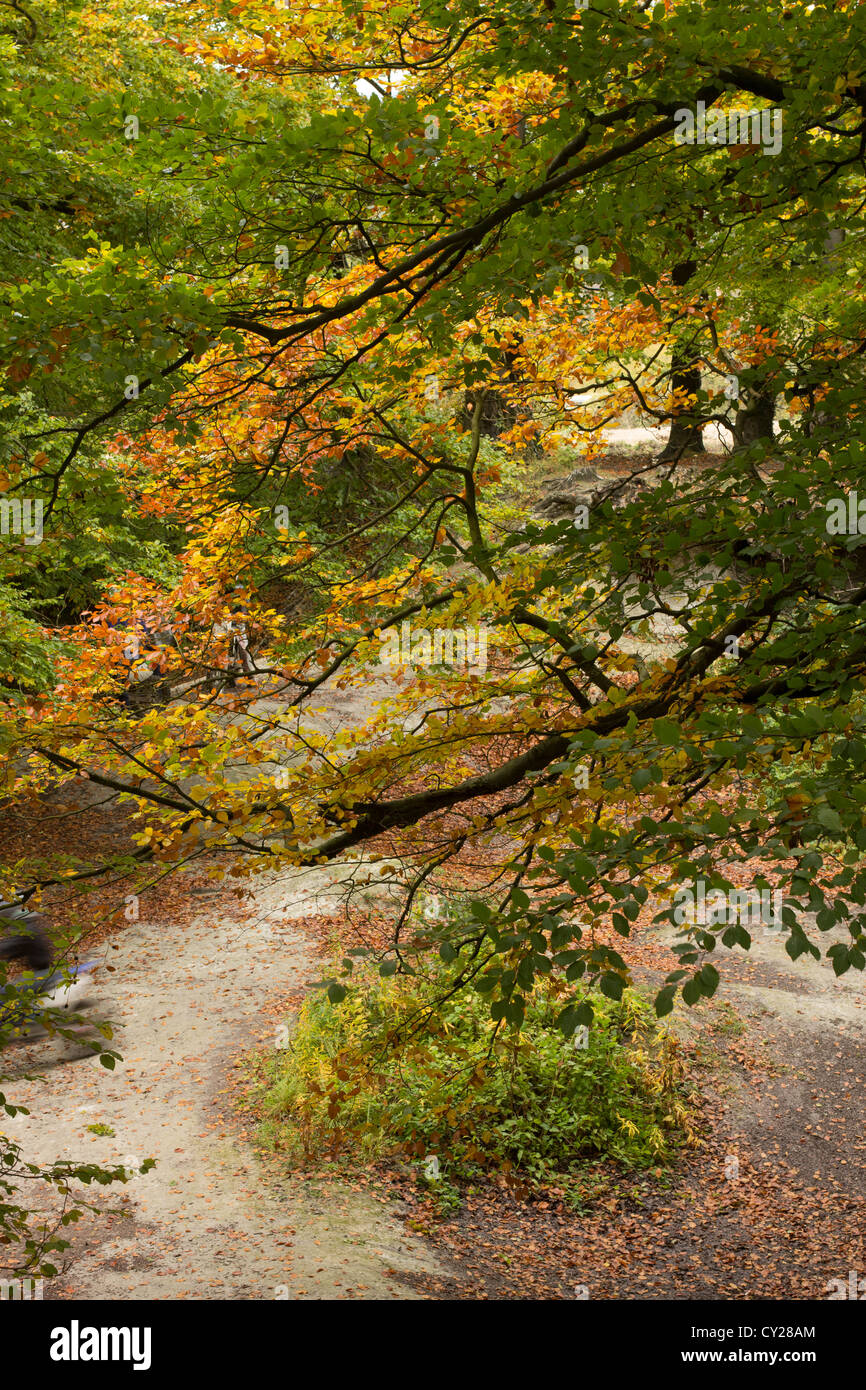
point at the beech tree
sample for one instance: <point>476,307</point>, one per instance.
<point>281,244</point>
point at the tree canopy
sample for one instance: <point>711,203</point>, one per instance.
<point>266,271</point>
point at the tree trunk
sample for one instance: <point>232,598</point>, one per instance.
<point>496,414</point>
<point>755,417</point>
<point>686,436</point>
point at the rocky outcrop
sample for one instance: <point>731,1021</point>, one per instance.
<point>589,487</point>
<point>561,496</point>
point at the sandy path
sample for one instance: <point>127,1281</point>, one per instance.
<point>808,1110</point>
<point>209,1222</point>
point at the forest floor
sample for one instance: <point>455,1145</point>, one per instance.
<point>202,977</point>
<point>772,1205</point>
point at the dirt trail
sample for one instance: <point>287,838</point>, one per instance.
<point>189,1001</point>
<point>209,1221</point>
<point>807,1111</point>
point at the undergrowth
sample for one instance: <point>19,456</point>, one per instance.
<point>384,1074</point>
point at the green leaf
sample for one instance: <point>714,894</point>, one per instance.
<point>692,991</point>
<point>828,818</point>
<point>664,1001</point>
<point>709,978</point>
<point>667,732</point>
<point>612,985</point>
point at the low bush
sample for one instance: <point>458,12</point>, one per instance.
<point>382,1074</point>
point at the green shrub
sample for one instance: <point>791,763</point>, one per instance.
<point>381,1074</point>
